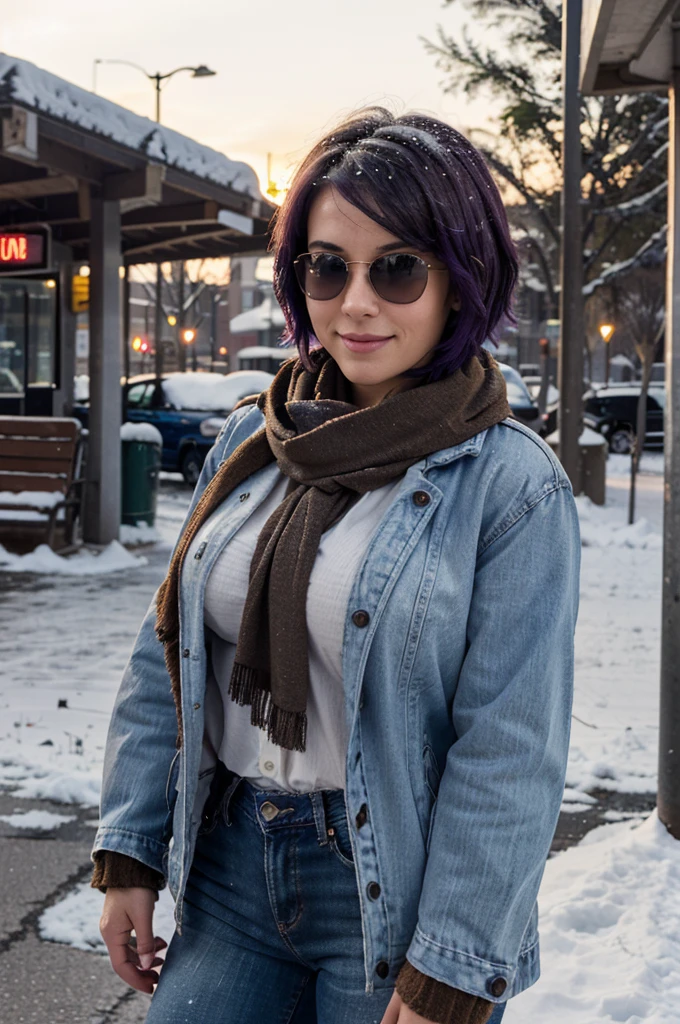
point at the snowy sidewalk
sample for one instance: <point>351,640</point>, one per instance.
<point>66,641</point>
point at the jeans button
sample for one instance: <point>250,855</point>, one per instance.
<point>373,890</point>
<point>269,811</point>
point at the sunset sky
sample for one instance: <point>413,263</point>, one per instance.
<point>285,72</point>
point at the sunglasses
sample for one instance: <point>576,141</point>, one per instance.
<point>398,277</point>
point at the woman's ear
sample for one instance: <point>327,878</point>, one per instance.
<point>454,300</point>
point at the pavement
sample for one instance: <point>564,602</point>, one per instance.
<point>46,982</point>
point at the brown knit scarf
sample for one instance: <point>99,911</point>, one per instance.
<point>331,452</point>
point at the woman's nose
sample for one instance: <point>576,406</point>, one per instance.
<point>358,296</point>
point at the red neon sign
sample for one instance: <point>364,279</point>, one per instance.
<point>19,250</point>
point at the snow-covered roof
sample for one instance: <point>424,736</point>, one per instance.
<point>213,392</point>
<point>30,86</point>
<point>261,318</point>
<point>265,352</point>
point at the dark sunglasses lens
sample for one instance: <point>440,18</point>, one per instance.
<point>321,275</point>
<point>399,278</point>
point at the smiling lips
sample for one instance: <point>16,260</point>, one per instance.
<point>365,342</point>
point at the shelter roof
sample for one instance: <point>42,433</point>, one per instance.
<point>626,45</point>
<point>62,145</point>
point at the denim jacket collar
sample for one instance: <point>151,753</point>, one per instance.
<point>472,446</point>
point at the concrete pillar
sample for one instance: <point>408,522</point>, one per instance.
<point>101,520</point>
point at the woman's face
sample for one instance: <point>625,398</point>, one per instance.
<point>344,325</point>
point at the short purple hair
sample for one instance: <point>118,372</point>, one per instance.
<point>425,183</point>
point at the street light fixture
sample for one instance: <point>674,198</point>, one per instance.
<point>606,332</point>
<point>200,71</point>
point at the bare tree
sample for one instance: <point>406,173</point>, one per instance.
<point>641,302</point>
<point>624,142</point>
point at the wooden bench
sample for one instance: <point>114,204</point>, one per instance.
<point>41,476</point>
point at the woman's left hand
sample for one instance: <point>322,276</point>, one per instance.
<point>398,1012</point>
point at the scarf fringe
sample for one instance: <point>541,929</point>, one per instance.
<point>284,728</point>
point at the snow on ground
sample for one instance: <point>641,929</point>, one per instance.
<point>45,561</point>
<point>63,647</point>
<point>35,820</point>
<point>616,699</point>
<point>610,931</point>
<point>75,920</point>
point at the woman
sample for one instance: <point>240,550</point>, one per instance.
<point>367,629</point>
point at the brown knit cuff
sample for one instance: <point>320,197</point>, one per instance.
<point>118,871</point>
<point>438,1002</point>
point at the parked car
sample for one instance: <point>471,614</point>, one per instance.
<point>523,406</point>
<point>188,409</point>
<point>613,412</point>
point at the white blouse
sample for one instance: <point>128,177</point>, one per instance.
<point>242,747</point>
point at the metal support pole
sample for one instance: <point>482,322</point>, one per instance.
<point>158,324</point>
<point>126,323</point>
<point>101,520</point>
<point>572,324</point>
<point>669,722</point>
<point>213,329</point>
<point>181,347</point>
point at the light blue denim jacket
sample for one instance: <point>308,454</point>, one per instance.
<point>458,699</point>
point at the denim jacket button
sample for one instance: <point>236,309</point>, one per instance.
<point>196,706</point>
<point>373,890</point>
<point>497,986</point>
<point>186,652</point>
<point>382,968</point>
<point>362,816</point>
<point>361,618</point>
<point>421,498</point>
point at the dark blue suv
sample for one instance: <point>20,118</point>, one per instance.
<point>188,409</point>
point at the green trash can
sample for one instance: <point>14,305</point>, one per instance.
<point>142,446</point>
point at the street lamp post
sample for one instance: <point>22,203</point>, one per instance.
<point>199,71</point>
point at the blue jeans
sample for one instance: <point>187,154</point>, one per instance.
<point>272,928</point>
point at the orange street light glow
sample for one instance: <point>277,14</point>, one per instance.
<point>606,331</point>
<point>188,336</point>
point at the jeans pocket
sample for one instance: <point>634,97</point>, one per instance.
<point>339,844</point>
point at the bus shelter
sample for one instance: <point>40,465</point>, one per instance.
<point>83,180</point>
<point>628,46</point>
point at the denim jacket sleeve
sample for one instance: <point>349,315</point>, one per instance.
<point>502,785</point>
<point>137,788</point>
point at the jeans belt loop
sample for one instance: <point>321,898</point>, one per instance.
<point>319,811</point>
<point>229,793</point>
